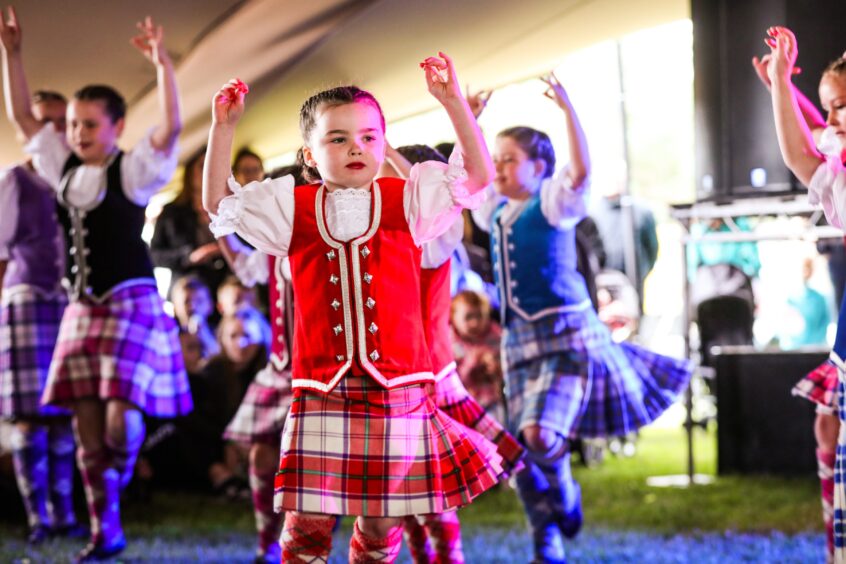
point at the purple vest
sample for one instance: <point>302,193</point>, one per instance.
<point>36,257</point>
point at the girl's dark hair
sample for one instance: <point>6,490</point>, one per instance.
<point>472,299</point>
<point>41,96</point>
<point>184,198</point>
<point>114,102</point>
<point>838,67</point>
<point>536,144</point>
<point>332,97</point>
<point>420,153</point>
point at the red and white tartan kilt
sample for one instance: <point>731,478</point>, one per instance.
<point>364,450</point>
<point>261,415</point>
<point>29,325</point>
<point>820,387</point>
<point>454,399</point>
<point>124,348</point>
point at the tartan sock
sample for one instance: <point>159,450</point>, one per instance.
<point>61,445</point>
<point>445,530</point>
<point>532,488</point>
<point>268,522</point>
<point>306,539</point>
<point>102,491</point>
<point>369,550</point>
<point>124,452</point>
<point>825,466</point>
<point>417,540</point>
<point>29,455</point>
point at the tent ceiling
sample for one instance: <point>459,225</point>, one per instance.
<point>286,49</point>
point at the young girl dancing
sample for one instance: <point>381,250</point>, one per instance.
<point>362,437</point>
<point>31,305</point>
<point>565,377</point>
<point>117,354</point>
<point>822,171</point>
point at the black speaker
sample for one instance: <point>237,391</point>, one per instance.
<point>761,427</point>
<point>736,148</point>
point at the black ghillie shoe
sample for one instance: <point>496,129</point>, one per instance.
<point>38,534</point>
<point>97,551</point>
<point>571,523</point>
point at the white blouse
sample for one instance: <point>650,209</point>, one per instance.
<point>144,170</point>
<point>828,185</point>
<point>263,212</point>
<point>561,204</point>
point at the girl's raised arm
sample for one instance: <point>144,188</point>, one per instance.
<point>795,139</point>
<point>444,86</point>
<point>579,167</point>
<point>15,88</point>
<point>227,109</point>
<point>150,42</point>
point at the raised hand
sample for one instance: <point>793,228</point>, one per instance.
<point>150,42</point>
<point>760,66</point>
<point>228,103</point>
<point>478,101</point>
<point>555,91</point>
<point>783,53</point>
<point>441,79</point>
<point>10,31</point>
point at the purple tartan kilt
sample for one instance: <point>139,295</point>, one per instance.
<point>29,325</point>
<point>124,348</point>
<point>454,399</point>
<point>582,384</point>
<point>364,450</point>
<point>820,387</point>
<point>262,412</point>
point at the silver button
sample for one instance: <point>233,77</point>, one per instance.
<point>333,279</point>
<point>71,231</point>
<point>339,357</point>
<point>365,251</point>
<point>373,328</point>
<point>374,356</point>
<point>279,302</point>
<point>516,300</point>
<point>335,304</point>
<point>331,255</point>
<point>510,246</point>
<point>371,303</point>
<point>74,269</point>
<point>512,264</point>
<point>513,283</point>
<point>72,250</point>
<point>367,277</point>
<point>280,338</point>
<point>338,329</point>
<point>278,321</point>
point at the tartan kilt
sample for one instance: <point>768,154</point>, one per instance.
<point>454,399</point>
<point>820,387</point>
<point>565,372</point>
<point>262,412</point>
<point>123,348</point>
<point>364,450</point>
<point>29,325</point>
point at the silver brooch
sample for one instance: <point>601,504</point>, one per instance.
<point>371,303</point>
<point>368,277</point>
<point>373,328</point>
<point>337,329</point>
<point>365,251</point>
<point>333,279</point>
<point>374,356</point>
<point>335,304</point>
<point>331,255</point>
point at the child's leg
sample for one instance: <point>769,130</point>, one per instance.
<point>445,530</point>
<point>61,445</point>
<point>826,429</point>
<point>417,540</point>
<point>375,539</point>
<point>264,459</point>
<point>29,454</point>
<point>306,537</point>
<point>123,437</point>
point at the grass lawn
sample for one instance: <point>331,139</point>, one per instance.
<point>751,518</point>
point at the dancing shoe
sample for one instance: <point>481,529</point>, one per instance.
<point>97,551</point>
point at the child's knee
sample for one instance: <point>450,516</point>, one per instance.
<point>377,527</point>
<point>539,439</point>
<point>826,429</point>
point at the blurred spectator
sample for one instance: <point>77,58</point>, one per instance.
<point>192,306</point>
<point>812,314</point>
<point>247,167</point>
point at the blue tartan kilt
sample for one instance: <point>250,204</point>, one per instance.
<point>564,372</point>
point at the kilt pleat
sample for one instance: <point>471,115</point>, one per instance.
<point>820,387</point>
<point>261,415</point>
<point>124,348</point>
<point>29,326</point>
<point>364,450</point>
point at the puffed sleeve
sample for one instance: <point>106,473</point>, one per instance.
<point>8,211</point>
<point>49,152</point>
<point>562,205</point>
<point>260,212</point>
<point>145,170</point>
<point>827,187</point>
<point>434,196</point>
<point>439,250</point>
<point>251,268</point>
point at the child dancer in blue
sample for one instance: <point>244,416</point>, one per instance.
<point>565,377</point>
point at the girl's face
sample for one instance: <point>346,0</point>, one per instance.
<point>347,145</point>
<point>190,302</point>
<point>248,169</point>
<point>51,111</point>
<point>833,101</point>
<point>90,132</point>
<point>517,176</point>
<point>468,321</point>
<point>240,340</point>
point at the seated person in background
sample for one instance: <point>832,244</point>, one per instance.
<point>476,342</point>
<point>192,306</point>
<point>233,296</point>
<point>247,167</point>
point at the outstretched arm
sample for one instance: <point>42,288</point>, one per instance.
<point>18,108</point>
<point>227,109</point>
<point>443,85</point>
<point>579,168</point>
<point>795,139</point>
<point>150,42</point>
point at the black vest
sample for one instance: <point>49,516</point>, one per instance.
<point>104,243</point>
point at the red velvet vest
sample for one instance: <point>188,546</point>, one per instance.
<point>280,315</point>
<point>356,302</point>
<point>434,290</point>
